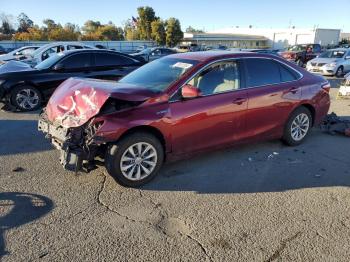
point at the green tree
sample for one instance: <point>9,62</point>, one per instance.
<point>158,32</point>
<point>24,23</point>
<point>91,26</point>
<point>190,29</point>
<point>145,19</point>
<point>173,32</point>
<point>7,27</point>
<point>130,31</point>
<point>50,24</point>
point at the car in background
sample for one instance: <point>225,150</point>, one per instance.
<point>45,51</point>
<point>2,50</point>
<point>180,105</point>
<point>150,54</point>
<point>331,62</point>
<point>301,54</point>
<point>25,88</point>
<point>19,54</point>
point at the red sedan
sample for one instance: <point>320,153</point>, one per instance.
<point>180,105</point>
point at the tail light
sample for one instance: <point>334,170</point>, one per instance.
<point>292,55</point>
<point>326,86</point>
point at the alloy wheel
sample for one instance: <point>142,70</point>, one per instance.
<point>27,99</point>
<point>300,126</point>
<point>138,161</point>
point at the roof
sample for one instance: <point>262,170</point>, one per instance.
<point>212,55</point>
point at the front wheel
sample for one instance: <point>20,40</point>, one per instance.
<point>134,160</point>
<point>297,127</point>
<point>300,63</point>
<point>339,72</point>
<point>26,98</point>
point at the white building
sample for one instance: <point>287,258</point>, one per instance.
<point>229,40</point>
<point>281,38</point>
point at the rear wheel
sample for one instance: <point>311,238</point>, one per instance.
<point>297,127</point>
<point>134,160</point>
<point>339,72</point>
<point>26,98</point>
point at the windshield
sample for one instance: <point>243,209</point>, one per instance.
<point>332,54</point>
<point>159,74</point>
<point>47,63</point>
<point>297,48</point>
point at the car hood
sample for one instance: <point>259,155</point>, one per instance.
<point>77,100</point>
<point>325,60</point>
<point>15,66</point>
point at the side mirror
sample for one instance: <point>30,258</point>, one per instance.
<point>58,67</point>
<point>189,91</point>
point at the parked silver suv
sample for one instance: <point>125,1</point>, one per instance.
<point>331,62</point>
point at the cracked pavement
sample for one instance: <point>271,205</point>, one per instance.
<point>262,202</point>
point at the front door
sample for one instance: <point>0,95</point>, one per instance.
<point>216,117</point>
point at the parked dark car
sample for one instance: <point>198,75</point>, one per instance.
<point>25,88</point>
<point>150,54</point>
<point>180,105</point>
<point>301,54</point>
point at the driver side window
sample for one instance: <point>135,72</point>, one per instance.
<point>218,78</point>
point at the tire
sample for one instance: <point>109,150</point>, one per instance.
<point>26,98</point>
<point>118,155</point>
<point>292,138</point>
<point>340,72</point>
<point>300,63</point>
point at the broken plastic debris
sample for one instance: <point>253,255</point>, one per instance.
<point>333,124</point>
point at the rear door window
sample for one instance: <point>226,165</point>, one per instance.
<point>108,59</point>
<point>261,72</point>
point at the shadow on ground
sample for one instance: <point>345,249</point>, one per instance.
<point>21,136</point>
<point>322,161</point>
<point>17,209</point>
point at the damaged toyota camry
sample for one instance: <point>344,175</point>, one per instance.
<point>181,105</point>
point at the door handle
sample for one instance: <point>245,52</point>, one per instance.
<point>239,101</point>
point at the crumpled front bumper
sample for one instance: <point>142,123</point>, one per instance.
<point>75,154</point>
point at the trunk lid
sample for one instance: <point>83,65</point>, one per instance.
<point>77,100</point>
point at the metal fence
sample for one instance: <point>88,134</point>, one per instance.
<point>121,46</point>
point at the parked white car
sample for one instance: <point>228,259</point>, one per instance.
<point>331,62</point>
<point>19,54</point>
<point>46,51</point>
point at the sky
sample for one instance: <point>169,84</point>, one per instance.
<point>201,14</point>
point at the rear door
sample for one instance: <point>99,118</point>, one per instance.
<point>216,117</point>
<point>112,66</point>
<point>273,90</point>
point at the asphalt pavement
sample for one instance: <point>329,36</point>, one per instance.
<point>261,202</point>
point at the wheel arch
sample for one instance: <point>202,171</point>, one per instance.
<point>309,107</point>
<point>147,129</point>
